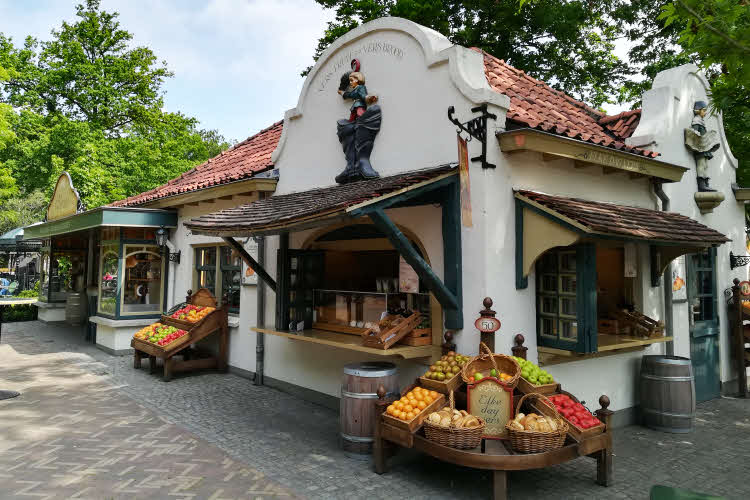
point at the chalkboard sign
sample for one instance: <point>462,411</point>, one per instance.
<point>492,401</point>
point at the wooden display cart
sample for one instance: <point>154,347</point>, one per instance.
<point>739,308</point>
<point>212,323</point>
<point>497,455</point>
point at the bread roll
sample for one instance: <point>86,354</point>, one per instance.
<point>515,425</point>
<point>531,424</point>
<point>445,422</point>
<point>471,421</point>
<point>464,413</point>
<point>434,418</point>
<point>542,425</point>
<point>552,423</point>
<point>521,415</point>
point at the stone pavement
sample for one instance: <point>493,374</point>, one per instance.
<point>276,439</point>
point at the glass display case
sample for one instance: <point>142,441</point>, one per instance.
<point>353,312</point>
<point>142,284</point>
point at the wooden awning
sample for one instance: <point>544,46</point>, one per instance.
<point>585,154</point>
<point>544,221</point>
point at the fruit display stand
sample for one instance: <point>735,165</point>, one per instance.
<point>496,455</point>
<point>215,322</point>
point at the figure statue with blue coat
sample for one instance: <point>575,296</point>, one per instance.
<point>357,134</point>
<point>702,143</point>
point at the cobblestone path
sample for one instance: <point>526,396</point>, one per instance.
<point>262,438</point>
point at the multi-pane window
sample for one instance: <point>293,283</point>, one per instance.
<point>222,275</point>
<point>702,287</point>
<point>557,295</point>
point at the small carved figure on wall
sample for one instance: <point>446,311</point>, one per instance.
<point>357,134</point>
<point>702,143</point>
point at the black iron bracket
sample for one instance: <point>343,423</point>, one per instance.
<point>172,257</point>
<point>476,128</point>
<point>738,260</point>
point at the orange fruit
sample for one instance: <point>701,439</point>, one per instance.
<point>410,395</point>
<point>404,400</point>
<point>428,399</point>
<point>409,416</point>
<point>421,405</point>
<point>399,405</point>
<point>413,402</point>
<point>434,394</point>
<point>403,415</point>
<point>408,408</point>
<point>419,396</point>
<point>391,409</point>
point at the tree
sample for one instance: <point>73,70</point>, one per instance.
<point>567,43</point>
<point>87,102</point>
<point>88,72</point>
<point>20,211</point>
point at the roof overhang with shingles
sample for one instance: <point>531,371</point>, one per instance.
<point>586,154</point>
<point>316,207</point>
<point>609,220</point>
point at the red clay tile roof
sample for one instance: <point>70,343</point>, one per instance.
<point>629,222</point>
<point>535,104</point>
<point>242,161</point>
<point>287,209</point>
<point>622,124</point>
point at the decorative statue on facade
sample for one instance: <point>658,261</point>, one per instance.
<point>357,134</point>
<point>702,143</point>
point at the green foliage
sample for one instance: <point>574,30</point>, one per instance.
<point>19,312</point>
<point>88,102</point>
<point>567,43</point>
<point>21,210</point>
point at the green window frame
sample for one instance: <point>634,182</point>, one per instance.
<point>566,298</point>
<point>215,270</point>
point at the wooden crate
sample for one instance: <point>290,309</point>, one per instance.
<point>526,387</point>
<point>157,350</point>
<point>386,338</point>
<point>420,332</point>
<point>414,424</point>
<point>576,432</point>
<point>445,386</point>
<point>335,327</point>
<point>606,326</point>
<point>639,324</point>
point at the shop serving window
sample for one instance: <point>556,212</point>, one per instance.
<point>566,297</point>
<point>62,268</point>
<point>219,269</point>
<point>142,284</point>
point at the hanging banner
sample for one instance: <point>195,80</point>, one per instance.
<point>408,281</point>
<point>679,288</point>
<point>463,170</point>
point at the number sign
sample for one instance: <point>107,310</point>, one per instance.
<point>487,324</point>
<point>492,401</point>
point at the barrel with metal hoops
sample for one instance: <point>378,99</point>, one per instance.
<point>358,395</point>
<point>667,393</point>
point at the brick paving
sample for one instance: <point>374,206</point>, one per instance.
<point>290,446</point>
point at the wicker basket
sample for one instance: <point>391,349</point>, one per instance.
<point>538,442</point>
<point>462,439</point>
<point>487,361</point>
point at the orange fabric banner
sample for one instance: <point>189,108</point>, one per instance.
<point>463,167</point>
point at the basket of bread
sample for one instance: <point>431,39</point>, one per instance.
<point>534,433</point>
<point>454,428</point>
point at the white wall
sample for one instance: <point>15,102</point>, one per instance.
<point>667,111</point>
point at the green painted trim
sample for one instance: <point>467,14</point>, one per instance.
<point>586,298</point>
<point>446,298</point>
<point>103,216</point>
<point>282,283</point>
<point>452,257</point>
<point>398,200</point>
<point>522,281</point>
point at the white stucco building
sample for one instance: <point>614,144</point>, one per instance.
<point>567,226</point>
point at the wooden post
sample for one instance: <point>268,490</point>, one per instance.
<point>449,345</point>
<point>604,468</point>
<point>519,350</point>
<point>378,445</point>
<point>168,362</point>
<point>136,359</point>
<point>151,364</point>
<point>223,361</point>
<point>500,485</point>
<point>189,297</point>
<point>487,333</point>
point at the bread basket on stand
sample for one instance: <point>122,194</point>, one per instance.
<point>534,441</point>
<point>455,435</point>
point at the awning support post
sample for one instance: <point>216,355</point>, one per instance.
<point>251,263</point>
<point>451,206</point>
<point>446,298</point>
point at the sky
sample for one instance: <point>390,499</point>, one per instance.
<point>236,63</point>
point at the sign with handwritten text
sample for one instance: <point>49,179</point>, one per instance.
<point>492,401</point>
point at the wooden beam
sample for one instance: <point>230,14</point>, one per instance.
<point>452,258</point>
<point>634,175</point>
<point>610,170</point>
<point>227,197</point>
<point>446,298</point>
<point>544,142</point>
<point>546,157</point>
<point>192,204</point>
<point>251,263</point>
<point>402,195</point>
<point>582,164</point>
<point>212,193</point>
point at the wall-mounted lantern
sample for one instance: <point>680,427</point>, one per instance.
<point>161,239</point>
<point>738,260</point>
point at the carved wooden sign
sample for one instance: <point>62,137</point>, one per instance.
<point>492,401</point>
<point>65,200</point>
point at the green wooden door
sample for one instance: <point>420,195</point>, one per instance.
<point>704,324</point>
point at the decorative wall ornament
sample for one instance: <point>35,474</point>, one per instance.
<point>703,143</point>
<point>357,134</point>
<point>476,128</point>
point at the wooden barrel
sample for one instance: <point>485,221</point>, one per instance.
<point>75,308</point>
<point>667,393</point>
<point>358,395</point>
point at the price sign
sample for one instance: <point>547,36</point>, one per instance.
<point>487,324</point>
<point>745,288</point>
<point>493,402</point>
